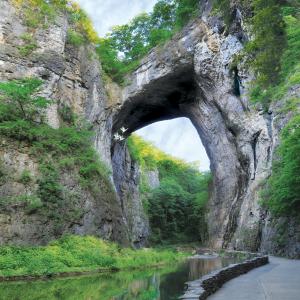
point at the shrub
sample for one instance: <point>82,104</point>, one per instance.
<point>74,253</point>
<point>75,38</point>
<point>283,187</point>
<point>25,177</point>
<point>19,102</point>
<point>81,22</point>
<point>29,44</point>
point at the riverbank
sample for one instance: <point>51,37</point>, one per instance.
<point>74,255</point>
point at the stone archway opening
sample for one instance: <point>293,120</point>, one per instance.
<point>178,95</point>
<point>178,138</point>
<point>163,104</point>
<point>162,100</point>
<point>190,77</point>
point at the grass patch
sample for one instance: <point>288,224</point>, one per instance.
<point>25,177</point>
<point>74,253</point>
<point>29,44</point>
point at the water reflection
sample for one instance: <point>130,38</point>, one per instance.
<point>156,284</point>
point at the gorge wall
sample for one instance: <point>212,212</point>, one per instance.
<point>74,81</point>
<point>190,76</point>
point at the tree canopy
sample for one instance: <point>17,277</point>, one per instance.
<point>121,50</point>
<point>176,208</point>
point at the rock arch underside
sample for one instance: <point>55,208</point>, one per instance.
<point>190,76</point>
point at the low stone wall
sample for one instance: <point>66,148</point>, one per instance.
<point>202,288</point>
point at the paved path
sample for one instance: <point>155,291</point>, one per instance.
<point>279,280</point>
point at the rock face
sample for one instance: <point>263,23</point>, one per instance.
<point>191,76</point>
<point>127,175</point>
<point>81,213</point>
<point>72,78</point>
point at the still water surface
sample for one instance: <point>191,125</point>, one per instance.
<point>166,283</point>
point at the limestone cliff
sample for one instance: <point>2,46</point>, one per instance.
<point>72,78</point>
<point>190,76</point>
<point>194,76</point>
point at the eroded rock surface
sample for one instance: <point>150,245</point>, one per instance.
<point>72,78</point>
<point>193,76</point>
<point>190,76</point>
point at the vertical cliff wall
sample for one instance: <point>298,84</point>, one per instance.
<point>195,76</point>
<point>71,78</point>
<point>190,76</point>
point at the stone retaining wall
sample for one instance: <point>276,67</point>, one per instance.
<point>202,288</point>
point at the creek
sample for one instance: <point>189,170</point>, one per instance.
<point>166,283</point>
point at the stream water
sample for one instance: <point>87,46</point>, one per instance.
<point>165,283</point>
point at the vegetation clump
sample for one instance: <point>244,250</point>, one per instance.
<point>29,44</point>
<point>75,253</point>
<point>274,51</point>
<point>68,147</point>
<point>176,208</point>
<point>282,192</point>
<point>38,14</point>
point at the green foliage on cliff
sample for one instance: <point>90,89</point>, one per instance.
<point>277,65</point>
<point>266,49</point>
<point>74,253</point>
<point>75,38</point>
<point>176,208</point>
<point>41,14</point>
<point>273,52</point>
<point>282,192</point>
<point>18,101</point>
<point>29,44</point>
<point>125,45</point>
<point>67,147</point>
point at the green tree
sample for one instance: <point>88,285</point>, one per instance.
<point>186,9</point>
<point>177,207</point>
<point>125,45</point>
<point>167,211</point>
<point>19,100</point>
<point>269,41</point>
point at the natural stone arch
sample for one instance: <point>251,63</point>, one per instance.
<point>190,77</point>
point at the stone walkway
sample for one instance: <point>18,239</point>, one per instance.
<point>279,280</point>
